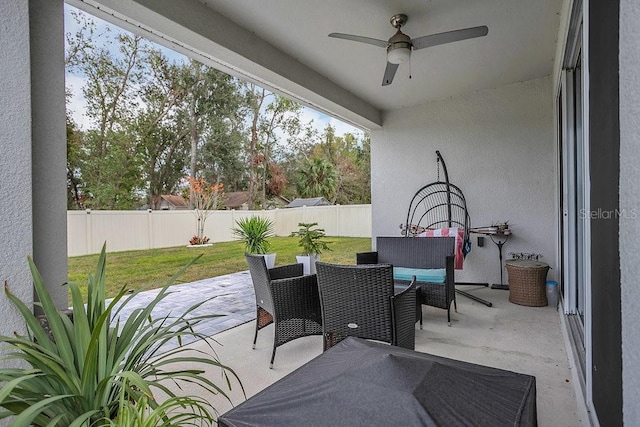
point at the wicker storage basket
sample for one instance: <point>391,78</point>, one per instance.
<point>527,282</point>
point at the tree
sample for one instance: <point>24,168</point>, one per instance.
<point>77,45</point>
<point>150,118</point>
<point>277,180</point>
<point>162,141</point>
<point>270,115</point>
<point>153,120</point>
<point>254,98</point>
<point>317,178</point>
<point>164,153</point>
<point>351,159</point>
<point>75,187</point>
<point>298,149</point>
<point>110,168</point>
<point>281,115</point>
<point>210,97</point>
<point>223,155</point>
<point>206,198</point>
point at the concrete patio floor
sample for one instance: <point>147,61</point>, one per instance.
<point>507,336</point>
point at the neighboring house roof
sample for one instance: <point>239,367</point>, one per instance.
<point>276,202</point>
<point>280,200</point>
<point>235,199</point>
<point>313,201</point>
<point>178,202</point>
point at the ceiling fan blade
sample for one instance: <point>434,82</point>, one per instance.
<point>368,40</point>
<point>449,37</point>
<point>389,72</point>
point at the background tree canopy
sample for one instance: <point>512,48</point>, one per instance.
<point>154,121</point>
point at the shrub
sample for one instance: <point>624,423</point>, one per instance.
<point>195,240</point>
<point>80,372</point>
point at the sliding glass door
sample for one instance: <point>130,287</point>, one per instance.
<point>575,209</point>
<point>575,179</point>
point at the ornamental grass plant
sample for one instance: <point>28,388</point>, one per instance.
<point>175,411</point>
<point>98,370</point>
<point>255,232</point>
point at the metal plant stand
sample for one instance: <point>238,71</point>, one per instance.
<point>497,239</point>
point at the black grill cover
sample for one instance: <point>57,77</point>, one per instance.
<point>358,382</point>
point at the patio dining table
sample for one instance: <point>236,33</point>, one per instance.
<point>359,382</point>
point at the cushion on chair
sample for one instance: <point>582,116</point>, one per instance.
<point>434,275</point>
<point>458,233</point>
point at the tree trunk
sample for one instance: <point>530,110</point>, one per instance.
<point>194,151</point>
<point>258,99</point>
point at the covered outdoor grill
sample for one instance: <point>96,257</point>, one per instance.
<point>359,382</point>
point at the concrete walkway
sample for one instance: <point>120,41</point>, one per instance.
<point>231,296</point>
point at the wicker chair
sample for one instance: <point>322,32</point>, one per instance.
<point>359,301</point>
<point>286,298</point>
<point>420,252</point>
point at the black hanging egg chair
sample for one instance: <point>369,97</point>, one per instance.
<point>440,208</point>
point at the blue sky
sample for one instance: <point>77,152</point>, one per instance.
<point>75,82</point>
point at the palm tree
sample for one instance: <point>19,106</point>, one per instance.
<point>317,178</point>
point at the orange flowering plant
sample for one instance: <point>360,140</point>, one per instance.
<point>205,199</point>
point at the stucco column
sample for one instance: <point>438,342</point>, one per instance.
<point>48,144</point>
<point>16,226</point>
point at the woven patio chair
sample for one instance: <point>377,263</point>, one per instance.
<point>286,298</point>
<point>359,301</point>
<point>420,253</point>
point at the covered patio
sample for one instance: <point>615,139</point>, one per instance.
<point>538,122</point>
<point>521,339</point>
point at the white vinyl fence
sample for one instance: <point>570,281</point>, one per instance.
<point>133,230</point>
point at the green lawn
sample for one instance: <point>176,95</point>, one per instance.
<point>149,269</point>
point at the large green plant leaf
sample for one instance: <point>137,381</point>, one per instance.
<point>79,373</point>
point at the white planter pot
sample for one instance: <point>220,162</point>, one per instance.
<point>270,260</point>
<point>308,263</point>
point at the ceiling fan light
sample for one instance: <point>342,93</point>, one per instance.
<point>399,55</point>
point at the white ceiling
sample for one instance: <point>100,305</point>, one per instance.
<point>520,46</point>
<point>284,44</point>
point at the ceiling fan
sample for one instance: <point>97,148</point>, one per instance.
<point>399,46</point>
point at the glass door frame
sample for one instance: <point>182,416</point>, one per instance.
<point>574,181</point>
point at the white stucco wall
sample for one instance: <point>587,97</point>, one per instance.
<point>499,147</point>
<point>630,200</point>
<point>15,160</point>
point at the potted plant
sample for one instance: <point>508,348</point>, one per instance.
<point>255,231</point>
<point>312,243</point>
<point>97,369</point>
